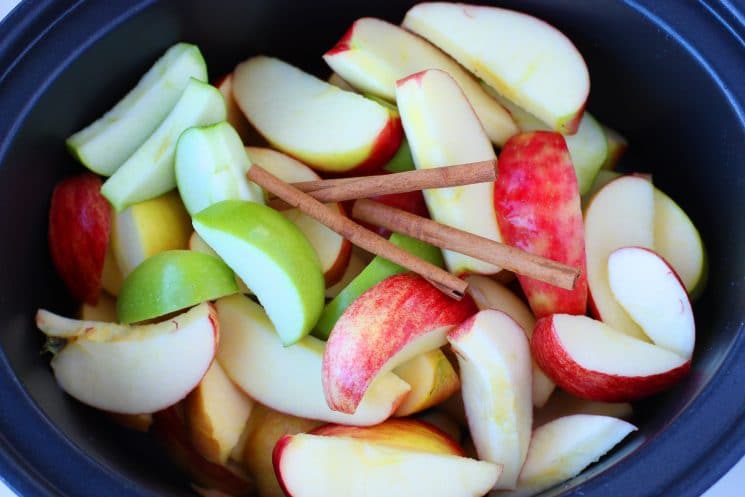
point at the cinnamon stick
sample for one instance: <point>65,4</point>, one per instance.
<point>372,242</point>
<point>450,238</point>
<point>340,189</point>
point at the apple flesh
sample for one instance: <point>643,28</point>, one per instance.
<point>538,209</point>
<point>443,130</point>
<point>234,114</point>
<point>139,369</point>
<point>171,281</point>
<point>563,404</point>
<point>256,360</point>
<point>105,144</point>
<point>313,466</point>
<point>655,298</point>
<point>288,282</point>
<point>198,245</point>
<point>432,378</point>
<point>536,66</point>
<point>327,128</point>
<point>589,359</point>
<point>495,370</point>
<point>374,54</point>
<point>394,321</point>
<point>79,227</point>
<point>490,294</point>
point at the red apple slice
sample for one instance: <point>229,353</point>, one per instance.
<point>495,369</point>
<point>538,209</point>
<point>653,295</point>
<point>79,227</point>
<point>374,54</point>
<point>137,369</point>
<point>621,214</point>
<point>397,319</point>
<point>589,359</point>
<point>315,466</point>
<point>524,58</point>
<point>327,128</point>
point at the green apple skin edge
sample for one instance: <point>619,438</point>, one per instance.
<point>171,281</point>
<point>375,272</point>
<point>272,257</point>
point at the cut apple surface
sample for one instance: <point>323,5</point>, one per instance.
<point>288,282</point>
<point>392,322</point>
<point>374,54</point>
<point>333,249</point>
<point>149,171</point>
<point>211,165</point>
<point>655,298</point>
<point>139,369</point>
<point>432,378</point>
<point>495,371</point>
<point>106,144</point>
<point>198,245</point>
<point>327,128</point>
<point>621,214</point>
<point>314,466</point>
<point>563,404</point>
<point>525,59</point>
<point>234,115</point>
<point>489,294</point>
<point>443,130</point>
<point>255,359</point>
<point>79,227</point>
<point>171,281</point>
<point>589,359</point>
<point>561,449</point>
<point>538,209</point>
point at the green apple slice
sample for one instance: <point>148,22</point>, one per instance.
<point>105,144</point>
<point>211,165</point>
<point>149,171</point>
<point>272,257</point>
<point>379,269</point>
<point>171,281</point>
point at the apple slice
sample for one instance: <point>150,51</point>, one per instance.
<point>379,269</point>
<point>234,114</point>
<point>216,413</point>
<point>211,166</point>
<point>617,145</point>
<point>538,209</point>
<point>407,434</point>
<point>358,260</point>
<point>266,426</point>
<point>374,54</point>
<point>149,171</point>
<point>589,359</point>
<point>490,294</point>
<point>655,298</point>
<point>535,65</point>
<point>442,130</point>
<point>288,282</point>
<point>621,214</point>
<point>561,449</point>
<point>327,128</point>
<point>495,369</point>
<point>111,275</point>
<point>79,226</point>
<point>148,228</point>
<point>105,144</point>
<point>392,322</point>
<point>171,281</point>
<point>198,245</point>
<point>314,466</point>
<point>255,359</point>
<point>563,404</point>
<point>432,378</point>
<point>138,369</point>
<point>333,249</point>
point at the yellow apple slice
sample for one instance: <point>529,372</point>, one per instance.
<point>432,379</point>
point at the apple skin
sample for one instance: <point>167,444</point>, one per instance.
<point>538,209</point>
<point>79,228</point>
<point>378,327</point>
<point>550,354</point>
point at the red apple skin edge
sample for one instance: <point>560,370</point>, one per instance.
<point>336,271</point>
<point>537,201</point>
<point>549,353</point>
<point>79,229</point>
<point>385,147</point>
<point>279,447</point>
<point>343,44</point>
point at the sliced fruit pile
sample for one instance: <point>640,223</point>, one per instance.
<point>271,357</point>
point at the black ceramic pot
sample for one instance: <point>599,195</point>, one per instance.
<point>669,75</point>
